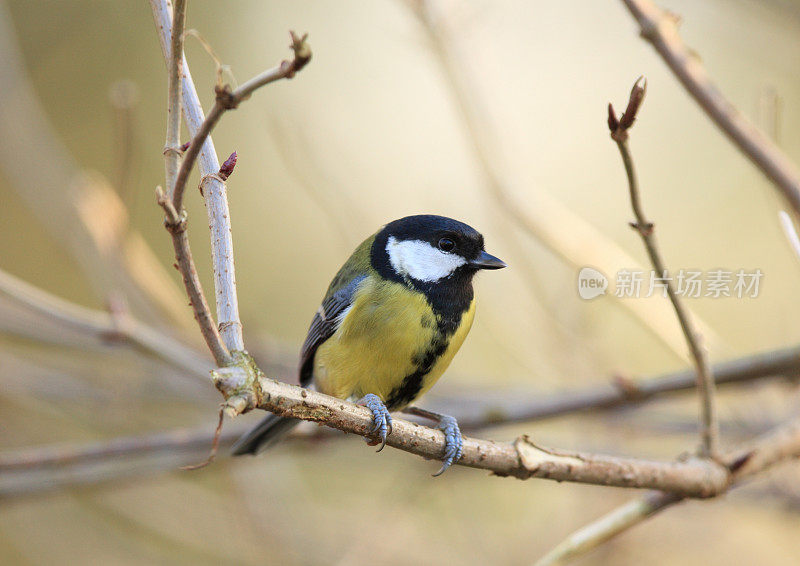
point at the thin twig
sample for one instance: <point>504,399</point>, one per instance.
<point>624,392</point>
<point>607,527</point>
<point>104,325</point>
<point>175,220</point>
<point>172,153</point>
<point>778,445</point>
<point>705,381</point>
<point>228,99</point>
<point>211,184</point>
<point>660,28</point>
<point>229,326</point>
<point>214,445</point>
<point>546,220</point>
<point>82,213</point>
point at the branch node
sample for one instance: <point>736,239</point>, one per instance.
<point>206,178</point>
<point>629,388</point>
<point>239,382</point>
<point>173,150</point>
<point>645,229</point>
<point>173,221</point>
<point>225,97</point>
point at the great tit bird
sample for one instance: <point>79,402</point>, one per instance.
<point>394,316</point>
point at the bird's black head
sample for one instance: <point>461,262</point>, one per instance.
<point>428,250</point>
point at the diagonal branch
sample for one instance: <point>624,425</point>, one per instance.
<point>545,219</point>
<point>773,447</point>
<point>661,29</point>
<point>705,381</point>
<point>624,392</point>
<point>104,324</point>
<point>175,219</point>
<point>228,99</point>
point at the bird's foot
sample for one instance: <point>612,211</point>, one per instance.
<point>453,442</point>
<point>381,419</point>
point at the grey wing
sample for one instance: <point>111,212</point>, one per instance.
<point>325,323</point>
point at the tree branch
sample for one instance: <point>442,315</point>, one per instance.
<point>522,459</point>
<point>229,327</point>
<point>778,445</point>
<point>175,216</point>
<point>105,325</point>
<point>543,218</point>
<point>227,99</point>
<point>212,185</point>
<point>661,30</point>
<point>172,152</point>
<point>622,392</point>
<point>705,381</point>
<point>192,442</point>
<point>607,527</point>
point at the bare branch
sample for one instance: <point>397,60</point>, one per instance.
<point>661,30</point>
<point>175,220</point>
<point>227,99</point>
<point>103,324</point>
<point>172,154</point>
<point>778,445</point>
<point>538,407</point>
<point>543,218</point>
<point>175,223</point>
<point>645,228</point>
<point>627,392</point>
<point>521,459</point>
<point>607,527</point>
<point>212,185</point>
<point>229,325</point>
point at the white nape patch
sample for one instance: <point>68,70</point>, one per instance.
<point>420,260</point>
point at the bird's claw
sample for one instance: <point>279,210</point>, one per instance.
<point>453,443</point>
<point>381,419</point>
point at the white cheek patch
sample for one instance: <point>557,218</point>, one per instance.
<point>420,260</point>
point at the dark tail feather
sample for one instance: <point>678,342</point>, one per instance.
<point>264,435</point>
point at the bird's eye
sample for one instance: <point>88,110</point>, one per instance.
<point>447,245</point>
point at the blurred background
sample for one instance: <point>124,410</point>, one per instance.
<point>490,112</point>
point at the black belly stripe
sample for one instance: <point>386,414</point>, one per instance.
<point>411,385</point>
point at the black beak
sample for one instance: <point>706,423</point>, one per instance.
<point>487,261</point>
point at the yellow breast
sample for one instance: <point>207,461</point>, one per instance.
<point>388,344</point>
